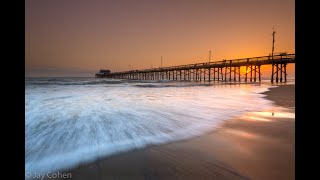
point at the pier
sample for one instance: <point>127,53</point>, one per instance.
<point>225,70</point>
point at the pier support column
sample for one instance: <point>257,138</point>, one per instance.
<point>277,74</point>
<point>285,72</point>
<point>246,74</point>
<point>172,72</point>
<point>221,74</point>
<point>192,74</point>
<point>173,78</point>
<point>281,67</point>
<point>234,74</point>
<point>225,73</point>
<point>184,75</point>
<point>197,74</point>
<point>272,73</point>
<point>255,73</point>
<point>230,69</point>
<point>239,73</point>
<point>230,73</point>
<point>259,69</point>
<point>250,73</point>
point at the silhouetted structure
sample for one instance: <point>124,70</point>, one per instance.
<point>102,73</point>
<point>225,70</point>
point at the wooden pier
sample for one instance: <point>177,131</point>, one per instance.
<point>225,70</point>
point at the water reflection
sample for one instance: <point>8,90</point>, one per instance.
<point>254,118</point>
<point>275,114</point>
<point>268,114</point>
<point>243,134</point>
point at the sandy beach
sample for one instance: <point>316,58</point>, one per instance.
<point>255,146</point>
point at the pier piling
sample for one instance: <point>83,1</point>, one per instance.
<point>219,69</point>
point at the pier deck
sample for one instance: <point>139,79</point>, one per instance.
<point>225,70</point>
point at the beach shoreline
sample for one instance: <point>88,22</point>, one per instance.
<point>246,147</point>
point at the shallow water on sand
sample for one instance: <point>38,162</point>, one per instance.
<point>74,120</point>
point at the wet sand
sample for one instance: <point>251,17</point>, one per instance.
<point>254,146</point>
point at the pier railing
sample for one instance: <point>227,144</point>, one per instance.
<point>222,68</point>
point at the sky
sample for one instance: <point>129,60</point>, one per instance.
<point>79,37</point>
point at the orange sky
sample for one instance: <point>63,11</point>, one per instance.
<point>79,37</point>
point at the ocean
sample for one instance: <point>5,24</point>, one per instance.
<point>69,121</point>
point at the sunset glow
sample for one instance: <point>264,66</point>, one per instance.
<point>78,38</point>
<point>184,89</point>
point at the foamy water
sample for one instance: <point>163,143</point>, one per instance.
<point>72,121</point>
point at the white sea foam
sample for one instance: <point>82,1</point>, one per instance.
<point>68,124</point>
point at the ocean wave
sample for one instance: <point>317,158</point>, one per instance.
<point>170,85</point>
<point>66,82</point>
<point>67,126</point>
